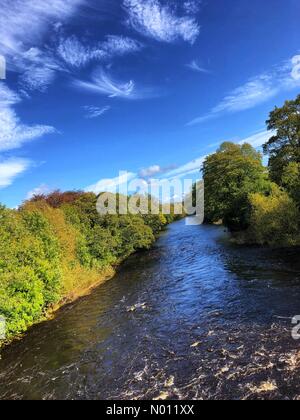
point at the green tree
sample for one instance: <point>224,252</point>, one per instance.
<point>230,175</point>
<point>30,275</point>
<point>274,219</point>
<point>291,181</point>
<point>284,146</point>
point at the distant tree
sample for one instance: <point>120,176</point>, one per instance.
<point>231,175</point>
<point>284,147</point>
<point>57,198</point>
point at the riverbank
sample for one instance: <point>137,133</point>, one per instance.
<point>72,297</point>
<point>57,248</point>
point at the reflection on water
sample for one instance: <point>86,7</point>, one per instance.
<point>195,317</point>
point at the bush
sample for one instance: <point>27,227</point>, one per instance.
<point>29,267</point>
<point>274,219</point>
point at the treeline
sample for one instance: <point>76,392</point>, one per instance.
<point>57,245</point>
<point>259,205</point>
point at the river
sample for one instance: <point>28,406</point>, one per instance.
<point>194,318</point>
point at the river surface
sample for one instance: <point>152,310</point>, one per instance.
<point>194,318</point>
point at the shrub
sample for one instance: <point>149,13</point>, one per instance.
<point>274,219</point>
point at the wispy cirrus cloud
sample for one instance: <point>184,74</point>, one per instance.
<point>95,112</point>
<point>120,45</point>
<point>14,133</point>
<point>10,169</point>
<point>258,139</point>
<point>39,69</point>
<point>23,23</point>
<point>159,21</point>
<point>42,189</point>
<point>7,96</point>
<point>151,171</point>
<point>257,90</point>
<point>105,84</point>
<point>77,53</point>
<point>23,27</point>
<point>110,184</point>
<point>194,166</point>
<point>195,66</point>
<point>192,6</point>
<point>155,170</point>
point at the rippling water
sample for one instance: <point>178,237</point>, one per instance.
<point>195,317</point>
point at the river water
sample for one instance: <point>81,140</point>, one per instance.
<point>194,318</point>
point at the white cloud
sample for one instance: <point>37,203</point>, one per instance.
<point>151,18</point>
<point>38,69</point>
<point>189,168</point>
<point>155,170</point>
<point>192,6</point>
<point>254,92</point>
<point>296,67</point>
<point>43,189</point>
<point>95,112</point>
<point>193,65</point>
<point>10,169</point>
<point>7,96</point>
<point>24,22</point>
<point>104,84</point>
<point>13,132</point>
<point>258,139</point>
<point>120,45</point>
<point>111,184</point>
<point>37,78</point>
<point>78,54</point>
<point>257,90</point>
<point>194,166</point>
<point>23,25</point>
<point>151,171</point>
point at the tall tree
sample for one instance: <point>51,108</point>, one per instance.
<point>284,146</point>
<point>231,175</point>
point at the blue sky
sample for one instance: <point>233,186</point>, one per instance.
<point>94,87</point>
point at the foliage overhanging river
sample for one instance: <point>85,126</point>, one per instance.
<point>195,317</point>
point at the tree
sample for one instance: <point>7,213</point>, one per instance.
<point>291,181</point>
<point>57,198</point>
<point>230,175</point>
<point>284,146</point>
<point>274,219</point>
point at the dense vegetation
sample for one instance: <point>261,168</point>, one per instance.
<point>262,204</point>
<point>58,244</point>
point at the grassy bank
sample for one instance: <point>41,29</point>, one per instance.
<point>56,248</point>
